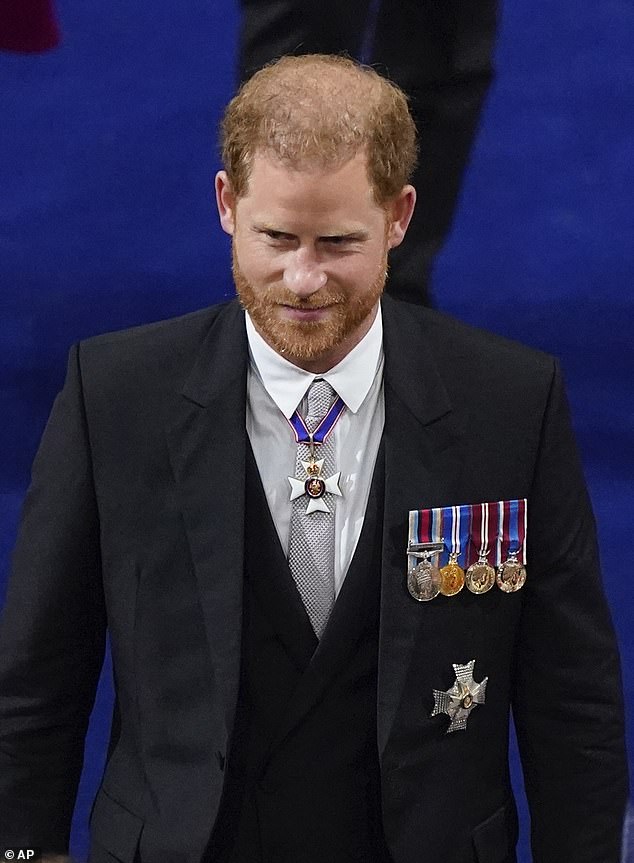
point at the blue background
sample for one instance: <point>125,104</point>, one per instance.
<point>107,156</point>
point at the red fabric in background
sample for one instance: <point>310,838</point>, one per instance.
<point>28,25</point>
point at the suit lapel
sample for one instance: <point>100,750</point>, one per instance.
<point>423,465</point>
<point>207,448</point>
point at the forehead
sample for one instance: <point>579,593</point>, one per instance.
<point>317,192</point>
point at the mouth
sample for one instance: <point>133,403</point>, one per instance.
<point>305,313</point>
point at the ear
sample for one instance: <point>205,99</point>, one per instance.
<point>400,212</point>
<point>226,202</point>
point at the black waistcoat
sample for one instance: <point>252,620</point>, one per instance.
<point>302,781</point>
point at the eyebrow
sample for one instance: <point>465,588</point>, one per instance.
<point>359,235</point>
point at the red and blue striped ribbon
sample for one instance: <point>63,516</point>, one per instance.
<point>449,525</point>
<point>461,529</point>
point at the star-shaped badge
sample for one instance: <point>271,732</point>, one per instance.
<point>459,701</point>
<point>315,486</point>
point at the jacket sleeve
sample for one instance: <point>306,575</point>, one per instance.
<point>52,633</point>
<point>567,706</point>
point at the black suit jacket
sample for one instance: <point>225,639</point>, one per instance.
<point>135,520</point>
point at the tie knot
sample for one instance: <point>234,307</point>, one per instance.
<point>320,397</point>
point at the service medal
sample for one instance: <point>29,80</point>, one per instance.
<point>452,576</point>
<point>512,571</point>
<point>425,543</point>
<point>424,581</point>
<point>511,574</point>
<point>480,577</point>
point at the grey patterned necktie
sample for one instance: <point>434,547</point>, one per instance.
<point>311,548</point>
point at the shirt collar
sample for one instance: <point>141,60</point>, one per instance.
<point>287,383</point>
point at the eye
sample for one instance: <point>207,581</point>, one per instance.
<point>342,241</point>
<point>277,236</point>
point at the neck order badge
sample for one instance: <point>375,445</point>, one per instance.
<point>314,485</point>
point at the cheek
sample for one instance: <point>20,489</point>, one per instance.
<point>257,263</point>
<point>364,271</point>
<point>360,269</point>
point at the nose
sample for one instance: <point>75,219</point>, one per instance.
<point>303,274</point>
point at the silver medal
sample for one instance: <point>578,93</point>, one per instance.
<point>424,581</point>
<point>462,698</point>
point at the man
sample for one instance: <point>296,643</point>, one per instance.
<point>440,54</point>
<point>236,496</point>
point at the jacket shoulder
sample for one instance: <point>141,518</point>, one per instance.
<point>449,333</point>
<point>181,330</point>
<point>472,354</point>
<point>159,349</point>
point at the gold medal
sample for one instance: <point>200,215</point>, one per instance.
<point>511,574</point>
<point>480,577</point>
<point>452,577</point>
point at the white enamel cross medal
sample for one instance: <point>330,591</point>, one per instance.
<point>315,486</point>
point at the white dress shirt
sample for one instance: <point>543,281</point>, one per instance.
<point>275,389</point>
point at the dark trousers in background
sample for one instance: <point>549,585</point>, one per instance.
<point>440,53</point>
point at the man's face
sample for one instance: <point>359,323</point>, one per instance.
<point>310,255</point>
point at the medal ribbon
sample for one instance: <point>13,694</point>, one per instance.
<point>495,526</point>
<point>323,430</point>
<point>495,529</point>
<point>421,530</point>
<point>437,531</point>
<point>425,526</point>
<point>480,531</point>
<point>515,533</point>
<point>420,525</point>
<point>456,521</point>
<point>463,530</point>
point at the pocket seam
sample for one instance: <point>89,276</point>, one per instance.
<point>114,827</point>
<point>494,838</point>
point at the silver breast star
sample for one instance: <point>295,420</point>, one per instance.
<point>315,486</point>
<point>459,701</point>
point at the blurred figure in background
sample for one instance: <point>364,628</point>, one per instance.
<point>441,54</point>
<point>28,26</point>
